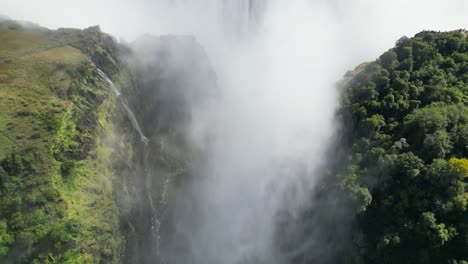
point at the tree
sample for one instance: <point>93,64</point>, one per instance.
<point>389,60</point>
<point>403,159</point>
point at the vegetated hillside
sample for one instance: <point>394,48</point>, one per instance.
<point>78,186</point>
<point>404,152</point>
<point>56,200</point>
<point>77,183</point>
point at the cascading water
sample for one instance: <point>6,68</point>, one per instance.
<point>154,221</point>
<point>242,16</point>
<point>134,121</point>
<point>129,111</point>
<point>260,144</point>
<point>253,149</point>
<point>108,80</point>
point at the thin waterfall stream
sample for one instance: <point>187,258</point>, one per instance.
<point>155,221</point>
<point>129,111</point>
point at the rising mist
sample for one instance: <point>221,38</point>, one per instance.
<point>261,141</point>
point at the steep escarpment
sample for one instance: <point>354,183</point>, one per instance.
<point>77,183</point>
<point>172,78</point>
<point>56,196</point>
<point>396,188</point>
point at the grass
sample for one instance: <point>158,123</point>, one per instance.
<point>48,102</point>
<point>17,41</point>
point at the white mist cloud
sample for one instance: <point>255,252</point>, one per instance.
<point>370,26</point>
<point>275,114</point>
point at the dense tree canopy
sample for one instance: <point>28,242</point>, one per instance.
<point>404,166</point>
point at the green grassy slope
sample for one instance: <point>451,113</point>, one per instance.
<point>56,201</point>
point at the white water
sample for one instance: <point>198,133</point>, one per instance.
<point>134,122</point>
<point>107,79</point>
<point>129,111</point>
<point>266,136</point>
<point>277,63</point>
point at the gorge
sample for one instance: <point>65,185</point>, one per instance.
<point>232,137</point>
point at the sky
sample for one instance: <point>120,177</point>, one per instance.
<point>375,24</point>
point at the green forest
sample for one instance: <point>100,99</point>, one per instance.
<point>404,151</point>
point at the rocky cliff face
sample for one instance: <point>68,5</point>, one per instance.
<point>77,184</point>
<point>171,75</point>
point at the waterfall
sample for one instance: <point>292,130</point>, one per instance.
<point>105,77</point>
<point>129,111</point>
<point>254,151</point>
<point>134,121</point>
<point>235,18</point>
<point>155,223</point>
<point>259,146</point>
<point>242,16</point>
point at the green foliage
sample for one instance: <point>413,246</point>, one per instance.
<point>55,201</point>
<point>360,196</point>
<point>389,60</point>
<point>404,166</point>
